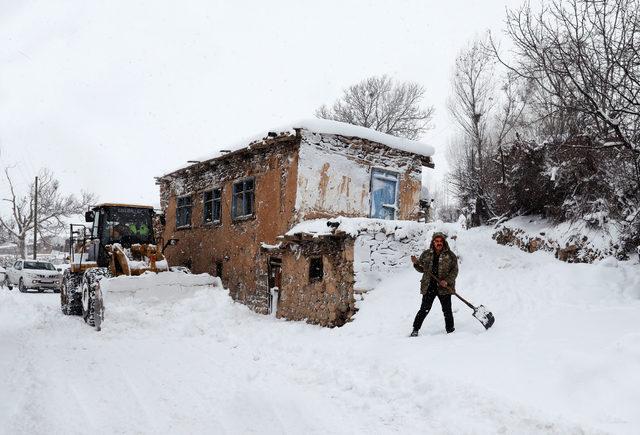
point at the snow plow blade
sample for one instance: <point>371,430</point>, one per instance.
<point>129,294</point>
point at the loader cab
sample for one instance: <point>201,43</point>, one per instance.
<point>123,224</point>
<point>119,223</point>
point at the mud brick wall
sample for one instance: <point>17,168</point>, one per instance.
<point>328,302</point>
<point>234,243</point>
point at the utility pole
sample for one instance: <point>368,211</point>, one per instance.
<point>35,222</point>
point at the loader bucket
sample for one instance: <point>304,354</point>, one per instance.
<point>126,295</point>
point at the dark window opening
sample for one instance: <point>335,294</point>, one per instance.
<point>212,206</point>
<point>315,269</point>
<point>243,198</point>
<point>219,269</point>
<point>183,211</point>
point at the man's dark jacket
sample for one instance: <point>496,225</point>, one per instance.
<point>447,267</point>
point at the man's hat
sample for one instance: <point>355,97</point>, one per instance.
<point>438,234</point>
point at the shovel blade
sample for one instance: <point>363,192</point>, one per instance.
<point>484,316</point>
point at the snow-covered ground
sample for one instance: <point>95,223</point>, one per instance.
<point>562,357</point>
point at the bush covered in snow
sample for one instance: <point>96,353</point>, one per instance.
<point>592,189</point>
<point>559,134</point>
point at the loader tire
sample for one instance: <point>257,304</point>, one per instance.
<point>70,295</point>
<point>92,305</point>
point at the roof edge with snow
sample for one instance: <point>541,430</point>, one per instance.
<point>319,126</point>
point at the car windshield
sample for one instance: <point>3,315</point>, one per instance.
<point>38,265</point>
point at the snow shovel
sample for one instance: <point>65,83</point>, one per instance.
<point>480,312</point>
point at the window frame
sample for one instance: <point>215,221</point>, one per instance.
<point>213,201</point>
<point>179,207</point>
<point>243,192</point>
<point>395,207</point>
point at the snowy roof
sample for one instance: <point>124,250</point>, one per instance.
<point>349,130</point>
<point>322,126</point>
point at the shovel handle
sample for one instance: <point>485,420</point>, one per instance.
<point>469,304</point>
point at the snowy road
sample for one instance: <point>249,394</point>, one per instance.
<point>563,357</point>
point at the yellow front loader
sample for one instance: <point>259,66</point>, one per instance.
<point>119,241</point>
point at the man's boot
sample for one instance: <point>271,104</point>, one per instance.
<point>414,333</point>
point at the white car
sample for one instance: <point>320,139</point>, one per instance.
<point>26,274</point>
<point>2,275</point>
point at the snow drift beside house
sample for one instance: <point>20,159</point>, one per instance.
<point>562,357</point>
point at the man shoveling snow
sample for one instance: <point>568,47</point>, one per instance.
<point>437,261</point>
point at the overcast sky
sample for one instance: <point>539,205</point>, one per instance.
<point>109,95</point>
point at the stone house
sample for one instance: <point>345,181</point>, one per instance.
<point>233,213</point>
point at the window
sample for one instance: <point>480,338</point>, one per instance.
<point>96,225</point>
<point>38,265</point>
<point>315,269</point>
<point>243,198</point>
<point>127,225</point>
<point>384,187</point>
<point>183,212</point>
<point>212,202</point>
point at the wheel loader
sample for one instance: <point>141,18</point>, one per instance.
<point>118,240</point>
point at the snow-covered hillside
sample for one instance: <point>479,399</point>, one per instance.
<point>562,357</point>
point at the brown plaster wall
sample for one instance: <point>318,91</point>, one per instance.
<point>234,243</point>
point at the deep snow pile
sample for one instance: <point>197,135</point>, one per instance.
<point>563,357</point>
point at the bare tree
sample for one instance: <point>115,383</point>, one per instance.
<point>4,235</point>
<point>443,205</point>
<point>472,99</point>
<point>582,59</point>
<point>487,108</point>
<point>384,105</point>
<point>53,208</point>
<point>584,56</point>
